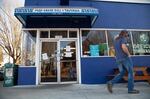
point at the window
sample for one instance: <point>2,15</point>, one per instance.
<point>98,42</point>
<point>141,42</point>
<point>94,43</point>
<point>112,34</point>
<point>28,50</point>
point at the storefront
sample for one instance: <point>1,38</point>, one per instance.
<point>74,43</point>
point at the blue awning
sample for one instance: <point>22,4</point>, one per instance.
<point>23,12</point>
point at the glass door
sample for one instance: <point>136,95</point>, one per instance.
<point>49,62</point>
<point>68,61</point>
<point>58,61</point>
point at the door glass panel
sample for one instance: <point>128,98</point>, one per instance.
<point>68,61</point>
<point>49,62</point>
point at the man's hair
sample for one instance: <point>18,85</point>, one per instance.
<point>122,34</point>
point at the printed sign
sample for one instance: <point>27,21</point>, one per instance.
<point>45,56</point>
<point>57,10</point>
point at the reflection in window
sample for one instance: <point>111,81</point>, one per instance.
<point>94,43</point>
<point>29,44</point>
<point>111,37</point>
<point>141,42</point>
<point>112,34</point>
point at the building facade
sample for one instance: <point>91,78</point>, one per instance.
<point>71,41</point>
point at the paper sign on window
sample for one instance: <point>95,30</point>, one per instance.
<point>45,56</point>
<point>68,54</point>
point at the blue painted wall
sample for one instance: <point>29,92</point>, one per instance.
<point>26,75</point>
<point>123,15</point>
<point>41,2</point>
<point>95,70</point>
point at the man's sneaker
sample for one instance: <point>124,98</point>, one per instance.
<point>109,87</point>
<point>134,92</point>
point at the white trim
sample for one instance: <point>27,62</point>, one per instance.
<point>79,57</point>
<point>106,34</point>
<point>58,62</point>
<point>80,38</point>
<point>132,41</point>
<point>50,29</point>
<point>94,19</point>
<point>114,29</point>
<point>84,29</point>
<point>22,45</point>
<point>21,19</point>
<point>37,57</point>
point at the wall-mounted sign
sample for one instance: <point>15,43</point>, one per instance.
<point>57,10</point>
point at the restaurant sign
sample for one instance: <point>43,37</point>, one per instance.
<point>56,10</point>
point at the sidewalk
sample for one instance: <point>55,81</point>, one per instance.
<point>73,91</point>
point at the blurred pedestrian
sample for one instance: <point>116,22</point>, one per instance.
<point>124,63</point>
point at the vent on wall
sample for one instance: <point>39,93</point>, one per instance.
<point>64,2</point>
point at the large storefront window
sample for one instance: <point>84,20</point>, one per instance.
<point>94,43</point>
<point>141,42</point>
<point>101,42</point>
<point>28,49</point>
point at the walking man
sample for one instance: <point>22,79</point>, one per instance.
<point>124,63</point>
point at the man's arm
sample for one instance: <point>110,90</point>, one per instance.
<point>125,49</point>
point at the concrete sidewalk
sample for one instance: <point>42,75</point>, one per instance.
<point>74,91</point>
